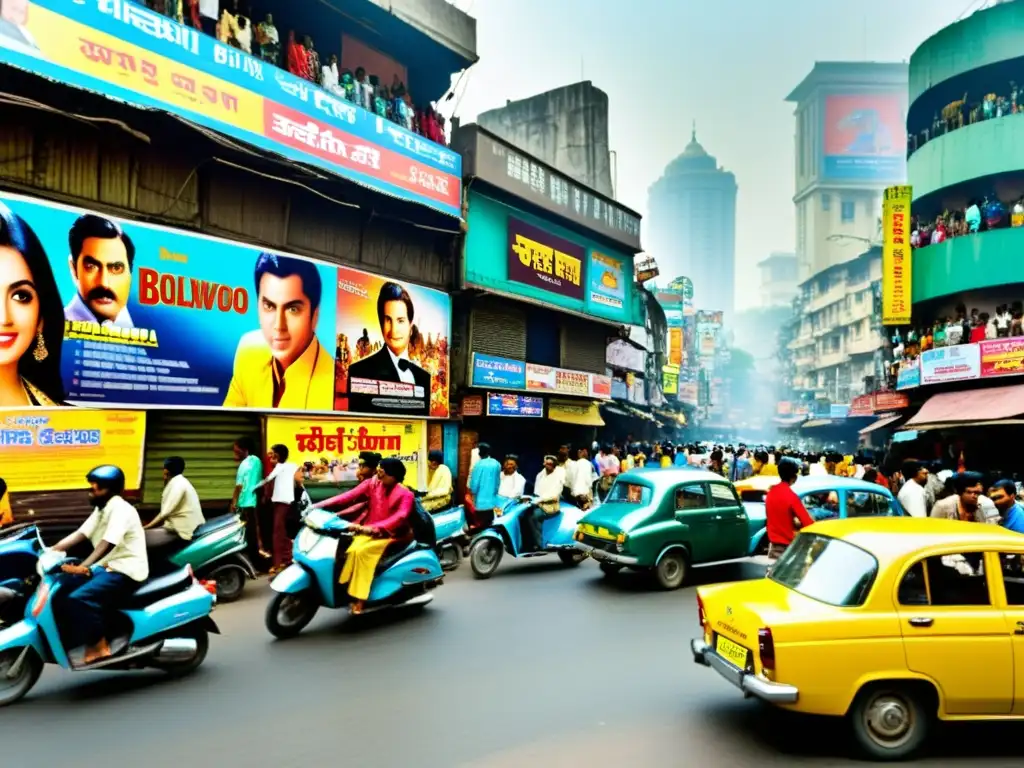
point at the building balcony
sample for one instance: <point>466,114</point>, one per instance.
<point>801,341</point>
<point>831,360</point>
<point>822,300</point>
<point>969,262</point>
<point>856,312</point>
<point>866,345</point>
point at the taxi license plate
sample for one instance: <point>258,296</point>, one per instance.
<point>732,652</point>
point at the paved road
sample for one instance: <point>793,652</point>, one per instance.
<point>538,666</point>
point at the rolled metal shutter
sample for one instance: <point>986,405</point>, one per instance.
<point>584,345</point>
<point>498,328</point>
<point>204,439</point>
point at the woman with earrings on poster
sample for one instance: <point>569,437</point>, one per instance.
<point>31,319</point>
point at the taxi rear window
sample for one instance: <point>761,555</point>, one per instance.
<point>829,570</point>
<point>629,493</point>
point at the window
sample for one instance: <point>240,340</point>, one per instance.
<point>629,493</point>
<point>829,570</point>
<point>866,504</point>
<point>848,211</point>
<point>1013,578</point>
<point>951,580</point>
<point>821,505</point>
<point>723,495</point>
<point>691,497</point>
<point>826,202</point>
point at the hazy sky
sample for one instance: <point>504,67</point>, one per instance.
<point>728,64</point>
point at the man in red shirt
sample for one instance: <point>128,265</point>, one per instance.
<point>783,509</point>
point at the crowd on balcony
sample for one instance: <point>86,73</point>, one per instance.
<point>981,215</point>
<point>230,21</point>
<point>957,114</point>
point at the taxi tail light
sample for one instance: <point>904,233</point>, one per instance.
<point>766,649</point>
<point>701,615</point>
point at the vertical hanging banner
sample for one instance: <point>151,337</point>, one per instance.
<point>896,256</point>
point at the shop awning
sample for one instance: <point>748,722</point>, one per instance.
<point>885,421</point>
<point>972,407</point>
<point>607,408</point>
<point>571,412</point>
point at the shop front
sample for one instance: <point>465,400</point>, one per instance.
<point>206,338</point>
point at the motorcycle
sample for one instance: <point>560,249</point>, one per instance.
<point>450,525</point>
<point>405,578</point>
<point>504,535</point>
<point>164,624</point>
<point>216,552</point>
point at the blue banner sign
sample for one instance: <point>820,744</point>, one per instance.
<point>491,371</point>
<point>514,405</point>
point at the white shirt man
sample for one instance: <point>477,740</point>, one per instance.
<point>914,499</point>
<point>180,510</point>
<point>118,524</point>
<point>512,486</point>
<point>283,478</point>
<point>549,485</point>
<point>570,473</point>
<point>583,479</point>
<point>404,371</point>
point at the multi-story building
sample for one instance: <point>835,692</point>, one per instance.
<point>850,145</point>
<point>692,226</point>
<point>778,279</point>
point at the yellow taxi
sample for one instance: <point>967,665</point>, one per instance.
<point>889,622</point>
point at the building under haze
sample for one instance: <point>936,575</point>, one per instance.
<point>779,280</point>
<point>692,226</point>
<point>851,143</point>
<point>567,128</point>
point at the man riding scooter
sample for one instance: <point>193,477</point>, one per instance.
<point>116,568</point>
<point>439,483</point>
<point>180,511</point>
<point>548,491</point>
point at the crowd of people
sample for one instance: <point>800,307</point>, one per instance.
<point>957,114</point>
<point>980,215</point>
<point>230,21</point>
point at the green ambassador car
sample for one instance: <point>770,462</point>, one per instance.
<point>665,521</point>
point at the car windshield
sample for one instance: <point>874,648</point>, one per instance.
<point>826,569</point>
<point>629,493</point>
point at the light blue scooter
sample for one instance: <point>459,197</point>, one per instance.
<point>164,624</point>
<point>403,578</point>
<point>450,525</point>
<point>504,535</point>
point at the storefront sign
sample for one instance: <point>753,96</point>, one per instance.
<point>121,50</point>
<point>514,405</point>
<point>944,364</point>
<point>544,260</point>
<point>496,162</point>
<point>896,256</point>
<point>1002,357</point>
<point>909,375</point>
<point>473,405</point>
<point>670,379</point>
<point>890,401</point>
<point>53,450</point>
<point>607,280</point>
<point>620,390</point>
<point>500,372</point>
<point>503,373</point>
<point>862,406</point>
<point>622,354</point>
<point>333,445</point>
<point>186,320</point>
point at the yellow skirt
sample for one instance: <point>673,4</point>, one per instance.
<point>360,563</point>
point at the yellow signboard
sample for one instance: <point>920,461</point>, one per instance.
<point>52,450</point>
<point>896,256</point>
<point>333,445</point>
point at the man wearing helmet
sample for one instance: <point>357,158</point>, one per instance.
<point>117,566</point>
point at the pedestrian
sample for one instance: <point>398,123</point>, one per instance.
<point>912,495</point>
<point>967,502</point>
<point>484,480</point>
<point>584,477</point>
<point>1003,494</point>
<point>282,481</point>
<point>244,502</point>
<point>568,466</point>
<point>782,507</point>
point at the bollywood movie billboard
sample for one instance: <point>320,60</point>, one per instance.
<point>117,313</point>
<point>53,450</point>
<point>864,137</point>
<point>122,50</point>
<point>328,449</point>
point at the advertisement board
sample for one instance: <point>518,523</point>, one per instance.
<point>544,260</point>
<point>708,329</point>
<point>52,450</point>
<point>504,373</point>
<point>607,280</point>
<point>1002,357</point>
<point>670,379</point>
<point>333,446</point>
<point>864,137</point>
<point>130,314</point>
<point>896,256</point>
<point>945,364</point>
<point>489,371</point>
<point>909,375</point>
<point>514,405</point>
<point>122,50</point>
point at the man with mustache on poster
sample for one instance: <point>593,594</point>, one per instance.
<point>101,261</point>
<point>391,363</point>
<point>282,365</point>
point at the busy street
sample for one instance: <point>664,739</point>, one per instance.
<point>537,666</point>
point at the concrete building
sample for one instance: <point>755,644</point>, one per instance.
<point>567,128</point>
<point>778,279</point>
<point>692,226</point>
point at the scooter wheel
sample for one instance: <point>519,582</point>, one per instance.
<point>288,614</point>
<point>230,580</point>
<point>182,668</point>
<point>484,557</point>
<point>13,690</point>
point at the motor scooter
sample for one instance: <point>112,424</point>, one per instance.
<point>505,535</point>
<point>403,579</point>
<point>452,536</point>
<point>216,552</point>
<point>164,624</point>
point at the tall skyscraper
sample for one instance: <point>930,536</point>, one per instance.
<point>691,226</point>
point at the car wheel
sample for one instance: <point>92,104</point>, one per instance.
<point>672,570</point>
<point>890,721</point>
<point>611,570</point>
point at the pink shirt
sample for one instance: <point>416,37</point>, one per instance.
<point>609,464</point>
<point>388,512</point>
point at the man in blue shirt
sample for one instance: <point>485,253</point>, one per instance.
<point>1003,494</point>
<point>484,481</point>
